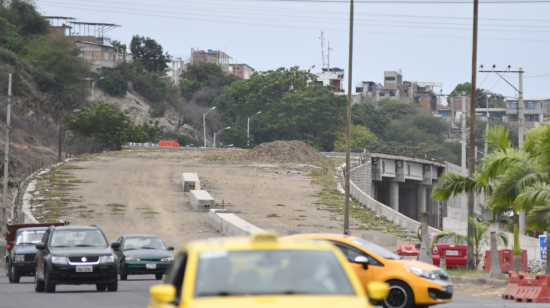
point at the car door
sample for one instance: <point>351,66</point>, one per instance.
<point>175,275</point>
<point>351,253</point>
<point>41,255</point>
<point>118,251</point>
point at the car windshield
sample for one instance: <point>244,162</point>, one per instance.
<point>144,242</point>
<point>263,272</point>
<point>28,237</point>
<point>78,238</point>
<point>376,249</point>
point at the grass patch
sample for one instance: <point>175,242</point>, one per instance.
<point>326,175</point>
<point>225,157</point>
<point>273,215</point>
<point>116,205</point>
<point>151,212</point>
<point>460,271</point>
<point>116,209</point>
<point>70,167</point>
<point>302,216</point>
<point>279,204</point>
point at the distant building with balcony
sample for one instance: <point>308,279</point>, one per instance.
<point>535,111</point>
<point>332,76</point>
<point>223,60</point>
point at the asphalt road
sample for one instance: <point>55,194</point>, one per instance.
<point>134,293</point>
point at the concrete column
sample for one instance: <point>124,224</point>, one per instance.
<point>394,195</point>
<point>420,200</point>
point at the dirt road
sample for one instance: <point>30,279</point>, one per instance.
<point>141,192</point>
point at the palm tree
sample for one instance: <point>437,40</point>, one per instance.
<point>481,236</point>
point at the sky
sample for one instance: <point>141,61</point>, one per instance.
<point>429,41</point>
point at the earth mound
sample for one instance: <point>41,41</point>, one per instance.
<point>284,152</point>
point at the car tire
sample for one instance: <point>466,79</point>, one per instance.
<point>15,275</point>
<point>400,295</point>
<point>8,272</point>
<point>158,276</point>
<point>113,286</point>
<point>38,285</point>
<point>49,286</point>
<point>101,287</point>
<point>123,276</point>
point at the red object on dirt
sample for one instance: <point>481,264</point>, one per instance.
<point>505,257</point>
<point>407,250</point>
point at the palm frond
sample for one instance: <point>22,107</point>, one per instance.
<point>539,217</point>
<point>535,195</point>
<point>450,185</point>
<point>497,137</point>
<point>498,162</point>
<point>544,148</point>
<point>513,182</point>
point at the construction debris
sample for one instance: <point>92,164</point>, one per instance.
<point>283,152</point>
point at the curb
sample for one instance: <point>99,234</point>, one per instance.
<point>480,281</point>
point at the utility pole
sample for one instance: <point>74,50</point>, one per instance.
<point>520,122</point>
<point>348,123</point>
<point>486,146</point>
<point>328,56</point>
<point>204,124</point>
<point>322,48</point>
<point>471,157</point>
<point>248,129</point>
<point>6,160</point>
<point>463,130</point>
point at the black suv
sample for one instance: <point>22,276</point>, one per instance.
<point>75,255</point>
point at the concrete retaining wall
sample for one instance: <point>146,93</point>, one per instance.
<point>190,181</point>
<point>382,209</point>
<point>231,225</point>
<point>532,245</point>
<point>201,200</point>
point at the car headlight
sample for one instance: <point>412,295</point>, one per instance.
<point>107,259</point>
<point>19,258</point>
<point>132,259</point>
<point>422,272</point>
<point>59,260</point>
<point>167,259</point>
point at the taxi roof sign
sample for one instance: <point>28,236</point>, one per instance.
<point>264,238</point>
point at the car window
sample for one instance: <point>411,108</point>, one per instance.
<point>351,253</point>
<point>145,242</point>
<point>78,238</point>
<point>269,272</point>
<point>175,275</point>
<point>26,237</point>
<point>375,249</point>
<point>450,240</point>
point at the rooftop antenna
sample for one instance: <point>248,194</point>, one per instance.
<point>328,56</point>
<point>322,48</point>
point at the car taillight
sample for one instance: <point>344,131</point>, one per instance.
<point>435,250</point>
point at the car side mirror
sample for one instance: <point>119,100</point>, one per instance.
<point>115,245</point>
<point>40,246</point>
<point>163,293</point>
<point>362,260</point>
<point>170,248</point>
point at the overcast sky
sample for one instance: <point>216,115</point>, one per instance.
<point>429,42</point>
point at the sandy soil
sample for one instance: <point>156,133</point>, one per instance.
<point>146,182</point>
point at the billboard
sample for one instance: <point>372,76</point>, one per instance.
<point>543,249</point>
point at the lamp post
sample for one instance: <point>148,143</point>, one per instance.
<point>248,129</point>
<point>204,124</point>
<point>214,145</point>
<point>93,85</point>
<point>486,148</point>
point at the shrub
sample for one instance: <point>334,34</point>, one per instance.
<point>152,86</point>
<point>157,110</point>
<point>113,83</point>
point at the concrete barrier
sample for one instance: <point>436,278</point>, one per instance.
<point>201,200</point>
<point>230,224</point>
<point>190,181</point>
<point>381,239</point>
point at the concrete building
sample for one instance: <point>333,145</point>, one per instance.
<point>333,76</point>
<point>223,60</point>
<point>535,111</point>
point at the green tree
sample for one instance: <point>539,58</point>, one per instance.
<point>119,46</point>
<point>23,14</point>
<point>10,37</point>
<point>481,98</point>
<point>112,126</point>
<point>113,83</point>
<point>149,53</point>
<point>152,86</point>
<point>376,120</point>
<point>397,109</point>
<point>361,139</point>
<point>481,237</point>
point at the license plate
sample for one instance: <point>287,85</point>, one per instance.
<point>84,269</point>
<point>150,265</point>
<point>450,289</point>
<point>452,252</point>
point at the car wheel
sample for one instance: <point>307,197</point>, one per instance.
<point>113,286</point>
<point>101,286</point>
<point>38,285</point>
<point>15,275</point>
<point>158,276</point>
<point>8,272</point>
<point>400,296</point>
<point>49,287</point>
<point>7,269</point>
<point>123,275</point>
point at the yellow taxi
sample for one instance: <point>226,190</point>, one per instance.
<point>412,283</point>
<point>262,270</point>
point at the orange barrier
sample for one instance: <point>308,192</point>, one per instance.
<point>407,250</point>
<point>169,143</point>
<point>512,286</point>
<point>524,287</point>
<point>539,292</point>
<point>505,257</point>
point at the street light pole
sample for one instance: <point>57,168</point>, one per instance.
<point>6,160</point>
<point>204,124</point>
<point>214,145</point>
<point>248,129</point>
<point>348,124</point>
<point>486,147</point>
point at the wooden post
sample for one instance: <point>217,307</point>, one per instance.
<point>495,271</point>
<point>425,255</point>
<point>442,263</point>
